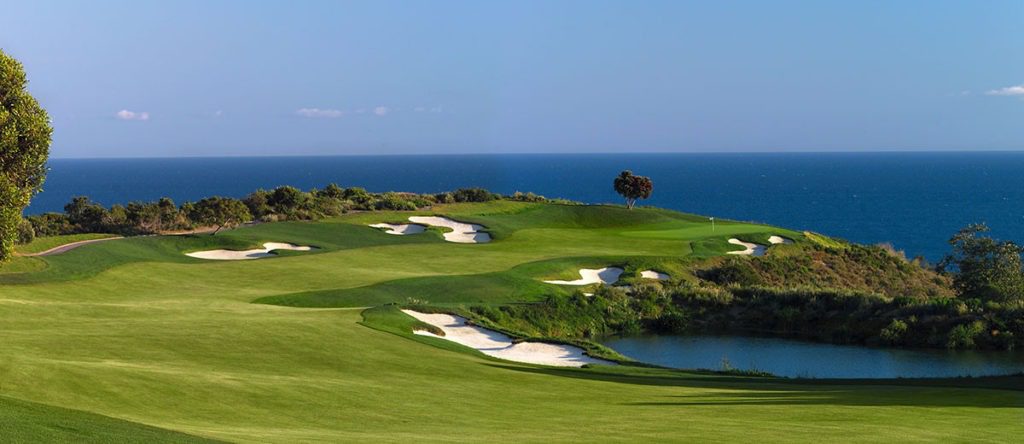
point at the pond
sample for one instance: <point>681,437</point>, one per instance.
<point>798,359</point>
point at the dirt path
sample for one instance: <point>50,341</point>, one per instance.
<point>71,246</point>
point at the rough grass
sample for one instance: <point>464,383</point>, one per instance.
<point>135,331</point>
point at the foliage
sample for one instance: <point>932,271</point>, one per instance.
<point>856,267</point>
<point>82,215</point>
<point>473,195</point>
<point>983,267</point>
<point>221,212</point>
<point>24,146</point>
<point>633,187</point>
<point>26,233</point>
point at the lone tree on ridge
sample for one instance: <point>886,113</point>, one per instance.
<point>24,146</point>
<point>633,187</point>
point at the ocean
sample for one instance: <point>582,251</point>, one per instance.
<point>915,201</point>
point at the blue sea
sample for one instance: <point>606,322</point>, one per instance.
<point>915,201</point>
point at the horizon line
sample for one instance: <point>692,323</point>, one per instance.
<point>581,153</point>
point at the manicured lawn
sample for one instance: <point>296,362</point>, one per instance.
<point>41,244</point>
<point>155,341</point>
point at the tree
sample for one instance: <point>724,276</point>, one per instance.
<point>87,216</point>
<point>983,267</point>
<point>220,212</point>
<point>24,146</point>
<point>332,191</point>
<point>257,203</point>
<point>633,187</point>
<point>285,200</point>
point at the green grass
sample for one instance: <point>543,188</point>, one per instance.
<point>41,244</point>
<point>133,332</point>
<point>27,422</point>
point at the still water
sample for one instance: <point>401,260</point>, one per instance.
<point>784,357</point>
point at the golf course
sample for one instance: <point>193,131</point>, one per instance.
<point>133,340</point>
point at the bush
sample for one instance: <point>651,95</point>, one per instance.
<point>894,332</point>
<point>473,195</point>
<point>394,201</point>
<point>26,233</point>
<point>50,224</point>
<point>963,335</point>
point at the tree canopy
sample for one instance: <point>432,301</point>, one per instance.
<point>983,267</point>
<point>24,146</point>
<point>220,212</point>
<point>633,187</point>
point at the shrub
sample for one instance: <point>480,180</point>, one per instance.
<point>473,195</point>
<point>963,335</point>
<point>894,332</point>
<point>26,233</point>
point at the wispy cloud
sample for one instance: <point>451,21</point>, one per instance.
<point>132,115</point>
<point>319,113</point>
<point>381,110</point>
<point>1016,90</point>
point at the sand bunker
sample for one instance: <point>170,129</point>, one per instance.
<point>495,344</point>
<point>400,229</point>
<point>751,249</point>
<point>651,274</point>
<point>461,233</point>
<point>779,240</point>
<point>607,275</point>
<point>233,255</point>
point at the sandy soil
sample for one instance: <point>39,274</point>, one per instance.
<point>500,346</point>
<point>258,253</point>
<point>779,240</point>
<point>651,274</point>
<point>461,233</point>
<point>751,249</point>
<point>400,229</point>
<point>607,275</point>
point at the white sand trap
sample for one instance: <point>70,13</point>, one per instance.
<point>461,233</point>
<point>779,240</point>
<point>751,249</point>
<point>606,275</point>
<point>651,274</point>
<point>400,229</point>
<point>492,343</point>
<point>234,255</point>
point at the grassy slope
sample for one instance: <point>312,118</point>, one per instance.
<point>134,330</point>
<point>41,244</point>
<point>29,422</point>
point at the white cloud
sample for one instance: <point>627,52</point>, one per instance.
<point>319,113</point>
<point>132,115</point>
<point>437,109</point>
<point>1016,90</point>
<point>381,110</point>
<point>419,109</point>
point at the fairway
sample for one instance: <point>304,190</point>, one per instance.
<point>133,338</point>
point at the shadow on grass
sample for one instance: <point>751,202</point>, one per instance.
<point>989,392</point>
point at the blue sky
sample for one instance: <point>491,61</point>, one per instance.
<point>188,78</point>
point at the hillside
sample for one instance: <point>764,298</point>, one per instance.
<point>310,345</point>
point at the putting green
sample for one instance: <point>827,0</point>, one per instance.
<point>137,339</point>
